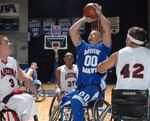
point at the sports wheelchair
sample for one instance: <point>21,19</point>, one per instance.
<point>3,110</point>
<point>54,103</point>
<point>127,104</point>
<point>93,111</point>
<point>3,118</point>
<point>40,90</point>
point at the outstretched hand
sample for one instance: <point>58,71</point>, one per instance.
<point>98,9</point>
<point>29,84</point>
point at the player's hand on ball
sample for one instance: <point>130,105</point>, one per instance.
<point>98,9</point>
<point>88,19</point>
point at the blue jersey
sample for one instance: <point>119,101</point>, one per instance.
<point>88,58</point>
<point>27,69</point>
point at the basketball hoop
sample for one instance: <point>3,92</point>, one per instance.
<point>55,43</point>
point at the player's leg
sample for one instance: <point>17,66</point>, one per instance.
<point>77,110</point>
<point>66,99</point>
<point>24,105</point>
<point>84,96</point>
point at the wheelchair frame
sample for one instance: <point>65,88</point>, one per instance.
<point>2,117</point>
<point>99,110</point>
<point>40,92</point>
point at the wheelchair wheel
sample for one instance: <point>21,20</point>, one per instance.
<point>101,110</point>
<point>66,114</point>
<point>56,114</point>
<point>54,103</point>
<point>3,115</point>
<point>40,93</point>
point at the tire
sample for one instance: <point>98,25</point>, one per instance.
<point>101,110</point>
<point>53,105</point>
<point>106,115</point>
<point>40,93</point>
<point>56,114</point>
<point>3,118</point>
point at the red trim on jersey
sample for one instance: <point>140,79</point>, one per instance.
<point>4,62</point>
<point>17,92</point>
<point>69,68</point>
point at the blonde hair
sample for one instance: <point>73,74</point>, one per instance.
<point>1,37</point>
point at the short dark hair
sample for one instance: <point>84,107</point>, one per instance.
<point>67,53</point>
<point>138,34</point>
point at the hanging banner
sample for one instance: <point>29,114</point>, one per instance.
<point>114,24</point>
<point>47,23</point>
<point>35,27</point>
<point>82,28</point>
<point>9,9</point>
<point>10,24</point>
<point>65,24</point>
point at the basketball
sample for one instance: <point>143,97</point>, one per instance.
<point>90,11</point>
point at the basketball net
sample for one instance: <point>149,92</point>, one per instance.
<point>56,52</point>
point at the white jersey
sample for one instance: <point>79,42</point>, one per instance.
<point>68,78</point>
<point>133,68</point>
<point>8,75</point>
<point>23,104</point>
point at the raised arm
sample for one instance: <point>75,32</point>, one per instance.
<point>109,63</point>
<point>22,76</point>
<point>74,31</point>
<point>106,33</point>
<point>106,26</point>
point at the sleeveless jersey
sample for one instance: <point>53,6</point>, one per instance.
<point>68,78</point>
<point>88,57</point>
<point>8,77</point>
<point>133,68</point>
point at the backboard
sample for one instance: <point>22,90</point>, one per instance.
<point>50,42</point>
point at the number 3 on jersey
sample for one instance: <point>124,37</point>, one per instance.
<point>135,74</point>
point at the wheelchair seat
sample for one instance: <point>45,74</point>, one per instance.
<point>130,104</point>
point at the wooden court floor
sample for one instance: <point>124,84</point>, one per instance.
<point>43,107</point>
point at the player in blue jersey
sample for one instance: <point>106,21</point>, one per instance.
<point>31,71</point>
<point>91,84</point>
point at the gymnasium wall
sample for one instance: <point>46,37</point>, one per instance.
<point>20,37</point>
<point>27,49</point>
<point>130,12</point>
